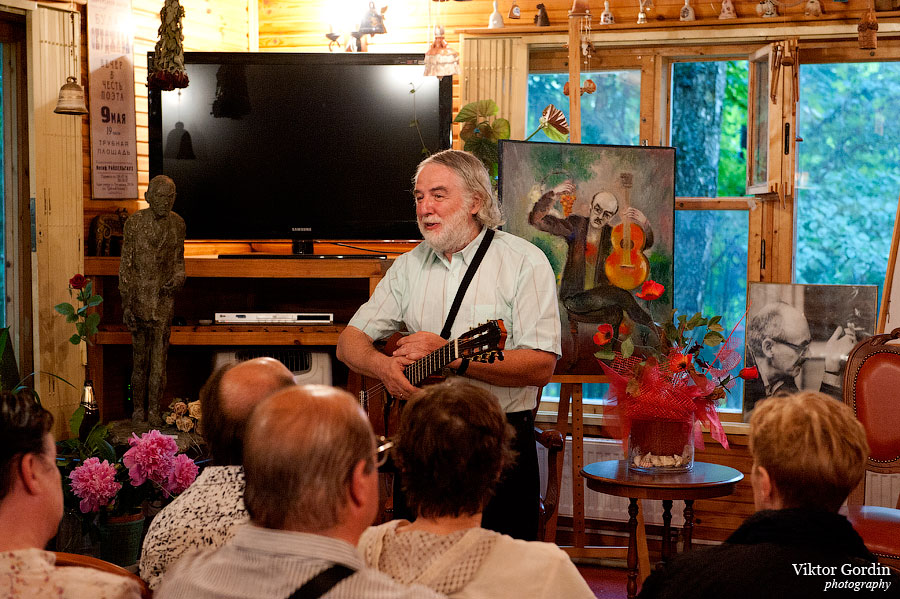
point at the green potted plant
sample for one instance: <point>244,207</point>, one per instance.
<point>482,130</point>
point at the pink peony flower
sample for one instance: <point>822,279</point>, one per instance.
<point>183,473</point>
<point>150,457</point>
<point>94,482</point>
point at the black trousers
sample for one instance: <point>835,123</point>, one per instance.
<point>515,508</point>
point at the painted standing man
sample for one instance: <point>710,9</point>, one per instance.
<point>585,289</point>
<point>150,273</point>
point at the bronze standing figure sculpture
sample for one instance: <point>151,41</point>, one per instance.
<point>150,273</point>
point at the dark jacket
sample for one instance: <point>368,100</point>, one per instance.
<point>793,553</point>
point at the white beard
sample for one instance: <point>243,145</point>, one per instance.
<point>456,232</point>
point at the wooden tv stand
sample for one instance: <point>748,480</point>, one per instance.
<point>214,285</point>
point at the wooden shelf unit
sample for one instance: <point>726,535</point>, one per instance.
<point>336,285</point>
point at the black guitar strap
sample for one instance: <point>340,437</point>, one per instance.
<point>464,284</point>
<point>322,582</point>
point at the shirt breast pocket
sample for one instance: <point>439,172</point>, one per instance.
<point>482,314</point>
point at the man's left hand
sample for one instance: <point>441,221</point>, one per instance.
<point>418,345</point>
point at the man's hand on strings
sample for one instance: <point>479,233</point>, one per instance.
<point>394,379</point>
<point>418,345</point>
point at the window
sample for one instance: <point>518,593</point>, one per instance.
<point>848,171</point>
<point>708,125</point>
<point>611,115</point>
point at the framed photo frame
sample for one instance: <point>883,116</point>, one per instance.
<point>604,216</point>
<point>799,336</point>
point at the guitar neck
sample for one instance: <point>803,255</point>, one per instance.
<point>423,368</point>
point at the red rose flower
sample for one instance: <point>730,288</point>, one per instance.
<point>604,334</point>
<point>78,282</point>
<point>750,372</point>
<point>680,362</point>
<point>651,290</point>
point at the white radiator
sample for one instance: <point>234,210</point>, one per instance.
<point>599,505</point>
<point>882,489</point>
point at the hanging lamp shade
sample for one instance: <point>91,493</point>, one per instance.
<point>71,98</point>
<point>441,59</point>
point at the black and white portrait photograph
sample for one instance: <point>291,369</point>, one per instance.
<point>799,336</point>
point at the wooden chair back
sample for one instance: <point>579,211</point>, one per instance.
<point>85,561</point>
<point>872,390</point>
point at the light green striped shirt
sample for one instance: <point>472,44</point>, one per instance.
<point>514,282</point>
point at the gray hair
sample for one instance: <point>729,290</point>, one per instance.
<point>768,323</point>
<point>475,181</point>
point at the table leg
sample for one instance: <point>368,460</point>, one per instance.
<point>631,559</point>
<point>667,529</point>
<point>688,523</point>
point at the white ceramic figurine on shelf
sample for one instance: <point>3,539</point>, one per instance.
<point>727,11</point>
<point>687,12</point>
<point>606,17</point>
<point>496,20</point>
<point>645,6</point>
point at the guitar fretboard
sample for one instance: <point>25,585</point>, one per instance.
<point>423,368</point>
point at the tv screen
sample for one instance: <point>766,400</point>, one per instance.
<point>298,146</point>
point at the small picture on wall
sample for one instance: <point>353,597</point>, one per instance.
<point>799,336</point>
<point>604,217</point>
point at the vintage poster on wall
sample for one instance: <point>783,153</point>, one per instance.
<point>111,89</point>
<point>603,215</point>
<point>799,336</point>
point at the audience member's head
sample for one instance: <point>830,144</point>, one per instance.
<point>452,446</point>
<point>809,451</point>
<point>309,463</point>
<point>31,500</point>
<point>227,399</point>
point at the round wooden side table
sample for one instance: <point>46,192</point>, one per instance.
<point>703,482</point>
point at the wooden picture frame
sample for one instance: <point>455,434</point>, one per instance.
<point>890,295</point>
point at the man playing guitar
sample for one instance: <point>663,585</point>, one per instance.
<point>514,282</point>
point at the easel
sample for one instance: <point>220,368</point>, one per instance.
<point>571,394</point>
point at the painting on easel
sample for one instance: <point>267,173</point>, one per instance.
<point>604,217</point>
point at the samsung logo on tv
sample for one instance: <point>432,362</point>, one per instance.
<point>301,229</point>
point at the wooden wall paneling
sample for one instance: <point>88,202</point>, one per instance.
<point>56,186</point>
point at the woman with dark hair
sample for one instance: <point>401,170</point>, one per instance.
<point>451,448</point>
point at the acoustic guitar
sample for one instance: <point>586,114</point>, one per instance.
<point>627,266</point>
<point>482,344</point>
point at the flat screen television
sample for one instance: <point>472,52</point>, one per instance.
<point>298,146</point>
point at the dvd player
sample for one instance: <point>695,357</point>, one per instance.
<point>274,318</point>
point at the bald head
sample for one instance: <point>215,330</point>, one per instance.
<point>228,398</point>
<point>304,447</point>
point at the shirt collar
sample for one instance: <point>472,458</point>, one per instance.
<point>297,544</point>
<point>466,254</point>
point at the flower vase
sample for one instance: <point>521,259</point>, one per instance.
<point>120,538</point>
<point>661,446</point>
